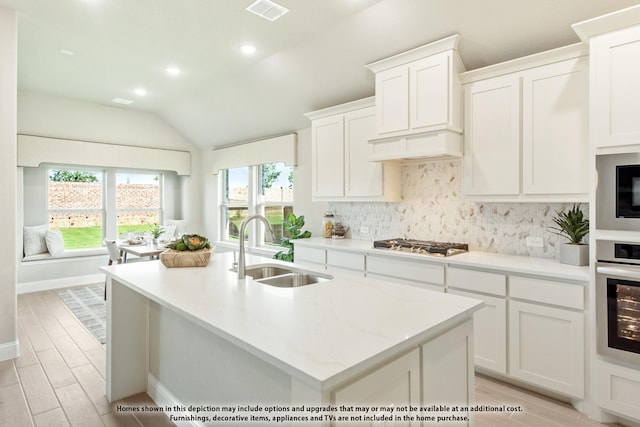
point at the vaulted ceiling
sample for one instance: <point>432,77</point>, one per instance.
<point>313,57</point>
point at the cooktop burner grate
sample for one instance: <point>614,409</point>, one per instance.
<point>426,247</point>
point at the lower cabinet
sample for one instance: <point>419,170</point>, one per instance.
<point>307,255</point>
<point>617,389</point>
<point>546,347</point>
<point>440,371</point>
<point>350,262</point>
<point>415,273</point>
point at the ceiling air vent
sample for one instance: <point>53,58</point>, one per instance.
<point>267,9</point>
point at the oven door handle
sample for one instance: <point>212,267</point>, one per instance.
<point>626,271</point>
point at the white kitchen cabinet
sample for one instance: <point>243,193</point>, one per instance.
<point>555,128</point>
<point>394,384</point>
<point>341,170</point>
<point>490,322</point>
<point>416,96</point>
<point>615,87</point>
<point>416,273</point>
<point>351,262</point>
<point>418,103</point>
<point>307,255</point>
<point>492,137</point>
<point>546,347</point>
<point>450,353</point>
<point>526,129</point>
<point>617,388</point>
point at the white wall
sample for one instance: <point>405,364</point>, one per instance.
<point>8,177</point>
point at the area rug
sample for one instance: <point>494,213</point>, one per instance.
<point>89,306</point>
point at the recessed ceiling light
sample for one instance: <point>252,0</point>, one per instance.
<point>140,91</point>
<point>173,71</point>
<point>122,101</point>
<point>267,9</point>
<point>67,52</point>
<point>248,49</point>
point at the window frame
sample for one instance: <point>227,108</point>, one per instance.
<point>255,205</point>
<point>109,210</point>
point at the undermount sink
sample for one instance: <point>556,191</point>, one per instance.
<point>283,277</point>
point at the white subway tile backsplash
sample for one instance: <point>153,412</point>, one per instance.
<point>433,209</point>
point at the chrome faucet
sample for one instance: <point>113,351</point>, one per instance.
<point>241,262</point>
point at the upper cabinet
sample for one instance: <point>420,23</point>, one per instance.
<point>418,103</point>
<point>614,43</point>
<point>526,129</point>
<point>341,170</point>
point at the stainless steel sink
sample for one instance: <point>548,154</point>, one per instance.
<point>283,277</point>
<point>293,280</point>
<point>260,272</point>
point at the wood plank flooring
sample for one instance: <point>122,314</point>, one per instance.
<point>59,380</point>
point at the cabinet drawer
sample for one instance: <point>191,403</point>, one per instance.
<point>313,255</point>
<point>547,291</point>
<point>349,260</point>
<point>416,271</point>
<point>477,281</point>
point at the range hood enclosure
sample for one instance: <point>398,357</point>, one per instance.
<point>418,98</point>
<point>417,148</point>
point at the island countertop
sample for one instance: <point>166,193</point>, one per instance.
<point>322,333</point>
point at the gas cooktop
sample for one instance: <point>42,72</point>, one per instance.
<point>426,247</point>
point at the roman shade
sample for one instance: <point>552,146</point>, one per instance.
<point>272,150</point>
<point>35,150</point>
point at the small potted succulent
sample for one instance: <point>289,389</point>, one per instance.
<point>191,250</point>
<point>574,226</point>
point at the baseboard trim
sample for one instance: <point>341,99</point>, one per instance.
<point>63,282</point>
<point>165,399</point>
<point>9,350</point>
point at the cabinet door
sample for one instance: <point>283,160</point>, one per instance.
<point>615,88</point>
<point>555,135</point>
<point>362,177</point>
<point>394,384</point>
<point>327,144</point>
<point>546,347</point>
<point>392,100</point>
<point>492,137</point>
<point>490,332</point>
<point>429,91</point>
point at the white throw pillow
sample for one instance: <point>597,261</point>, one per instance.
<point>33,239</point>
<point>181,226</point>
<point>55,242</point>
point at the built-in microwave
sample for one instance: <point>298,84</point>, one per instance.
<point>618,192</point>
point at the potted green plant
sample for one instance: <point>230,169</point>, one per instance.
<point>574,226</point>
<point>293,225</point>
<point>156,231</point>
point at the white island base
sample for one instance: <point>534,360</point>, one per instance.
<point>205,346</point>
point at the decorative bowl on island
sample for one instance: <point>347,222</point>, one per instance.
<point>191,250</point>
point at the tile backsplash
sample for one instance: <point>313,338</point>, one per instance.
<point>433,209</point>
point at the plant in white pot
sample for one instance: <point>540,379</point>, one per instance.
<point>574,226</point>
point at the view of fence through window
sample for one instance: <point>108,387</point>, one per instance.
<point>274,198</point>
<point>137,201</point>
<point>76,205</point>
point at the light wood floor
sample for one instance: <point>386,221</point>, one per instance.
<point>59,380</point>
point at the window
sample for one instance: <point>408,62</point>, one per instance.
<point>138,201</point>
<point>75,206</point>
<point>266,190</point>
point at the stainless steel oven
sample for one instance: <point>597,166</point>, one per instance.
<point>618,300</point>
<point>618,192</point>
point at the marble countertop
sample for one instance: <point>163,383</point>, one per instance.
<point>543,267</point>
<point>322,333</point>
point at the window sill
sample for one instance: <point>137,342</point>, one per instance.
<point>69,254</point>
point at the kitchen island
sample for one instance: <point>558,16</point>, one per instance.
<point>201,338</point>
